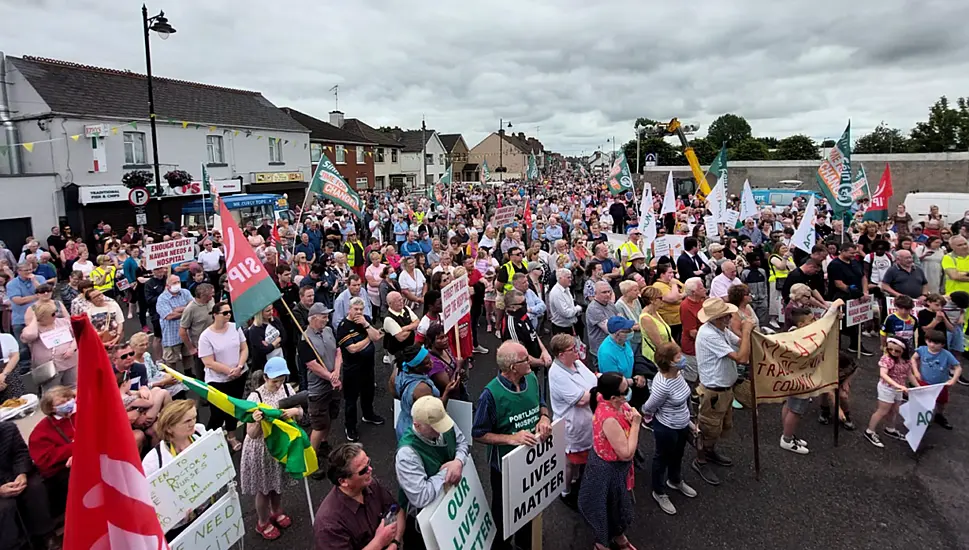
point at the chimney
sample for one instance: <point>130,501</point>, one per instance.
<point>9,128</point>
<point>336,118</point>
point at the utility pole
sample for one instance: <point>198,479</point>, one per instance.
<point>336,97</point>
<point>424,153</point>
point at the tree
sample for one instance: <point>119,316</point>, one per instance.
<point>705,150</point>
<point>730,129</point>
<point>882,140</point>
<point>946,130</point>
<point>797,147</point>
<point>770,142</point>
<point>750,149</point>
<point>828,143</point>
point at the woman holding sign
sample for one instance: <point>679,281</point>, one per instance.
<point>51,340</point>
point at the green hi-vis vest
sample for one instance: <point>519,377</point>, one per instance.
<point>515,410</point>
<point>433,456</point>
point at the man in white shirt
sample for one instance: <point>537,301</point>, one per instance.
<point>562,309</point>
<point>211,260</point>
<point>726,279</point>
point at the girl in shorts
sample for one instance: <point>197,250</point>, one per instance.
<point>894,372</point>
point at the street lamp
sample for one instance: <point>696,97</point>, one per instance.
<point>159,24</point>
<point>501,140</point>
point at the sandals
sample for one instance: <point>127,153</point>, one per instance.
<point>234,444</point>
<point>281,520</point>
<point>268,531</point>
<point>624,544</point>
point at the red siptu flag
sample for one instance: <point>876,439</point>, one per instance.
<point>108,501</point>
<point>528,213</point>
<point>250,287</point>
<point>878,210</point>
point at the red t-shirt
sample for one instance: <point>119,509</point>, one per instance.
<point>688,316</point>
<point>464,330</point>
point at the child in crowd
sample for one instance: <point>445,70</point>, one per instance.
<point>489,298</point>
<point>894,371</point>
<point>900,324</point>
<point>931,364</point>
<point>955,312</point>
<point>933,317</point>
<point>795,407</point>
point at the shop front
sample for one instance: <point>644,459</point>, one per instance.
<point>292,184</point>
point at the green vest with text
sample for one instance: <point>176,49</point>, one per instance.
<point>433,456</point>
<point>515,410</point>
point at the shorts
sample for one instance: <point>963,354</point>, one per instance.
<point>156,327</point>
<point>888,394</point>
<point>716,414</point>
<point>798,405</point>
<point>324,408</point>
<point>500,301</point>
<point>174,354</point>
<point>577,459</point>
<point>943,395</point>
<point>690,369</point>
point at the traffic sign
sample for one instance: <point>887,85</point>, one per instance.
<point>138,196</point>
<point>141,217</point>
<point>650,159</point>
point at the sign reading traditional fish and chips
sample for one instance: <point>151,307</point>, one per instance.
<point>168,253</point>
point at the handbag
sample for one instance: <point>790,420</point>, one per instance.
<point>43,372</point>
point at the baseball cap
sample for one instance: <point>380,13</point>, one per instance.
<point>430,410</point>
<point>276,367</point>
<point>617,323</point>
<point>319,309</point>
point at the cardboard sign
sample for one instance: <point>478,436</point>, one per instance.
<point>123,284</point>
<point>462,519</point>
<point>186,483</point>
<point>801,363</point>
<point>713,229</point>
<point>676,245</point>
<point>56,337</point>
<point>168,253</point>
<point>661,247</point>
<point>890,307</point>
<point>532,478</point>
<point>459,411</point>
<point>455,302</point>
<point>504,216</point>
<point>220,526</point>
<point>859,311</point>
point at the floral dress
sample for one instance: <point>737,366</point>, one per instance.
<point>261,474</point>
<point>604,496</point>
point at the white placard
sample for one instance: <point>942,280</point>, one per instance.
<point>531,479</point>
<point>187,482</point>
<point>455,302</point>
<point>730,218</point>
<point>220,526</point>
<point>504,216</point>
<point>661,247</point>
<point>168,253</point>
<point>859,311</point>
<point>56,337</point>
<point>459,411</point>
<point>462,519</point>
<point>676,245</point>
<point>890,307</point>
<point>713,230</point>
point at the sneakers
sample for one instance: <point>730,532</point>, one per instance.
<point>824,417</point>
<point>706,472</point>
<point>352,435</point>
<point>664,503</point>
<point>793,446</point>
<point>376,420</point>
<point>864,351</point>
<point>718,459</point>
<point>941,420</point>
<point>894,434</point>
<point>682,487</point>
<point>963,381</point>
<point>848,424</point>
<point>873,438</point>
<point>480,349</point>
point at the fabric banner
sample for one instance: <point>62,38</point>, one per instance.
<point>620,179</point>
<point>647,217</point>
<point>484,175</point>
<point>834,174</point>
<point>748,206</point>
<point>669,197</point>
<point>250,287</point>
<point>532,174</point>
<point>801,363</point>
<point>918,412</point>
<point>328,182</point>
<point>878,210</point>
<point>805,237</point>
<point>861,188</point>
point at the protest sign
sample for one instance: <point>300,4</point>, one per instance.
<point>730,218</point>
<point>56,337</point>
<point>188,481</point>
<point>676,245</point>
<point>800,363</point>
<point>455,302</point>
<point>859,311</point>
<point>461,520</point>
<point>890,307</point>
<point>504,216</point>
<point>713,229</point>
<point>220,526</point>
<point>459,411</point>
<point>166,253</point>
<point>918,412</point>
<point>661,247</point>
<point>531,478</point>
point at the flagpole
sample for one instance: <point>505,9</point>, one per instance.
<point>298,218</point>
<point>309,500</point>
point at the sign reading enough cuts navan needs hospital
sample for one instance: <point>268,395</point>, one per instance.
<point>531,478</point>
<point>168,253</point>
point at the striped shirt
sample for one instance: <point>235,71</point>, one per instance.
<point>668,401</point>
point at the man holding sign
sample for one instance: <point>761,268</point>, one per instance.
<point>510,413</point>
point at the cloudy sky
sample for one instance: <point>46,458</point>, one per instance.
<point>572,72</point>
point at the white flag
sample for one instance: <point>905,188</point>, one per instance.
<point>748,206</point>
<point>918,412</point>
<point>647,218</point>
<point>669,199</point>
<point>805,237</point>
<point>717,201</point>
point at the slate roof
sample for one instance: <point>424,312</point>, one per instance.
<point>367,132</point>
<point>86,91</point>
<point>449,141</point>
<point>324,131</point>
<point>412,139</point>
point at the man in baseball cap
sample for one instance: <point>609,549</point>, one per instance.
<point>626,250</point>
<point>317,353</point>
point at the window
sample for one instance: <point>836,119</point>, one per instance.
<point>440,159</point>
<point>363,183</point>
<point>316,152</point>
<point>380,154</point>
<point>134,148</point>
<point>393,155</point>
<point>361,158</point>
<point>275,150</point>
<point>214,146</point>
<point>429,179</point>
<point>379,182</point>
<point>428,159</point>
<point>341,154</point>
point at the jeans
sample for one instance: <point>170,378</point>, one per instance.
<point>23,364</point>
<point>358,382</point>
<point>668,458</point>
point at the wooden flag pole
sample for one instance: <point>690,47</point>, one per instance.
<point>303,332</point>
<point>753,399</point>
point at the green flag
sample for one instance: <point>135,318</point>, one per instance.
<point>485,174</point>
<point>620,179</point>
<point>286,442</point>
<point>834,175</point>
<point>718,168</point>
<point>860,187</point>
<point>328,182</point>
<point>532,173</point>
<point>206,181</point>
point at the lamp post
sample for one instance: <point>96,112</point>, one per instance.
<point>501,141</point>
<point>639,134</point>
<point>159,24</point>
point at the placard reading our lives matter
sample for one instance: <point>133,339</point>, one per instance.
<point>532,478</point>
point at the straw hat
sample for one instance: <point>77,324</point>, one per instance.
<point>714,308</point>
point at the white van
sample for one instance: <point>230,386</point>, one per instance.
<point>952,206</point>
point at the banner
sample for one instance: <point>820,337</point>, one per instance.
<point>220,526</point>
<point>859,311</point>
<point>168,253</point>
<point>187,483</point>
<point>647,217</point>
<point>250,287</point>
<point>532,478</point>
<point>717,201</point>
<point>455,301</point>
<point>661,247</point>
<point>718,168</point>
<point>861,188</point>
<point>484,174</point>
<point>730,218</point>
<point>805,237</point>
<point>620,179</point>
<point>328,182</point>
<point>461,519</point>
<point>532,173</point>
<point>504,216</point>
<point>748,206</point>
<point>669,197</point>
<point>918,412</point>
<point>878,210</point>
<point>800,363</point>
<point>834,174</point>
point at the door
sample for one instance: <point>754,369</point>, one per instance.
<point>14,232</point>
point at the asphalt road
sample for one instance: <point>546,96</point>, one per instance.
<point>850,496</point>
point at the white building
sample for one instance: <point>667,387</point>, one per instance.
<point>387,168</point>
<point>76,130</point>
<point>427,143</point>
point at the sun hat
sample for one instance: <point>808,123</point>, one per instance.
<point>714,308</point>
<point>275,367</point>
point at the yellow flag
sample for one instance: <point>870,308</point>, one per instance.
<point>184,124</point>
<point>258,137</point>
<point>29,147</point>
<point>211,128</point>
<point>76,137</point>
<point>114,131</point>
<point>235,133</point>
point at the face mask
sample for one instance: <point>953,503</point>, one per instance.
<point>393,276</point>
<point>175,289</point>
<point>65,409</point>
<point>681,364</point>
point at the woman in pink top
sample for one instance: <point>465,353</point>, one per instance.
<point>605,499</point>
<point>60,349</point>
<point>392,257</point>
<point>373,272</point>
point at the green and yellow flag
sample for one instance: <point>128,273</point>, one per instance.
<point>286,441</point>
